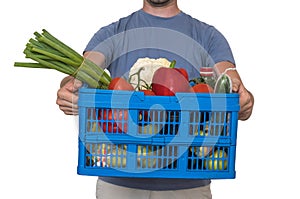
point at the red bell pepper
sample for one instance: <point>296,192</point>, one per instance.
<point>168,81</point>
<point>114,121</point>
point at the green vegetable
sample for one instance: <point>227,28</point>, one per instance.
<point>173,63</point>
<point>223,84</point>
<point>50,53</point>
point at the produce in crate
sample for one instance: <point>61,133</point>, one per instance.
<point>110,155</point>
<point>145,157</point>
<point>50,53</point>
<point>207,76</point>
<point>223,84</point>
<point>149,129</point>
<point>201,151</point>
<point>168,81</point>
<point>217,160</point>
<point>93,127</point>
<point>120,83</point>
<point>113,120</point>
<point>117,156</point>
<point>145,67</point>
<point>182,71</point>
<point>180,157</point>
<point>144,114</point>
<point>202,88</point>
<point>148,92</point>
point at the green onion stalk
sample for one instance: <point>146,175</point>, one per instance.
<point>48,52</point>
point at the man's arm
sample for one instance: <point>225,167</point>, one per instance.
<point>96,57</point>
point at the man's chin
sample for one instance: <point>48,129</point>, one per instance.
<point>158,3</point>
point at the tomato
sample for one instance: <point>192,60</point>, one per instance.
<point>120,83</point>
<point>113,121</point>
<point>147,92</point>
<point>202,88</point>
<point>143,115</point>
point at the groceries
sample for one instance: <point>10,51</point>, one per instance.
<point>151,157</point>
<point>157,136</point>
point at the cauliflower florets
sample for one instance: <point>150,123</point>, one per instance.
<point>147,66</point>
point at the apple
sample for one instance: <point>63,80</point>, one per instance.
<point>217,161</point>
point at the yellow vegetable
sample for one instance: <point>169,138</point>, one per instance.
<point>145,157</point>
<point>149,129</point>
<point>217,161</point>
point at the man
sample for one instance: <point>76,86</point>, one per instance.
<point>159,29</point>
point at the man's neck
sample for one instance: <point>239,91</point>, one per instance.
<point>169,10</point>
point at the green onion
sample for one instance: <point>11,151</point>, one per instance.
<point>50,53</point>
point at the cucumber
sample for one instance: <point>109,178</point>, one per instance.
<point>223,84</point>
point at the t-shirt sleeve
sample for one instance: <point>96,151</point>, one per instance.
<point>218,47</point>
<point>101,42</point>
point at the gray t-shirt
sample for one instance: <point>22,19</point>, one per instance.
<point>192,43</point>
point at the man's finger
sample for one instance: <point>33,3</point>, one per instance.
<point>68,96</point>
<point>245,103</point>
<point>68,110</point>
<point>66,103</point>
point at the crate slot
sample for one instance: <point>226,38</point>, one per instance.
<point>205,158</point>
<point>210,123</point>
<point>157,157</point>
<point>107,120</point>
<point>159,121</point>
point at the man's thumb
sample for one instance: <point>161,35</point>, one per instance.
<point>77,84</point>
<point>235,85</point>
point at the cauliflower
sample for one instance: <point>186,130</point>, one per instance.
<point>147,67</point>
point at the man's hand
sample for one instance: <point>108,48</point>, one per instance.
<point>67,95</point>
<point>246,97</point>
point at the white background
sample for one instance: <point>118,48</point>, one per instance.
<point>38,148</point>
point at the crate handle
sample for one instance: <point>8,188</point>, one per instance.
<point>158,140</point>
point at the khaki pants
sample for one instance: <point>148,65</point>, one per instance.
<point>110,191</point>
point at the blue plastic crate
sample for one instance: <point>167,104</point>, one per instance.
<point>127,134</point>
